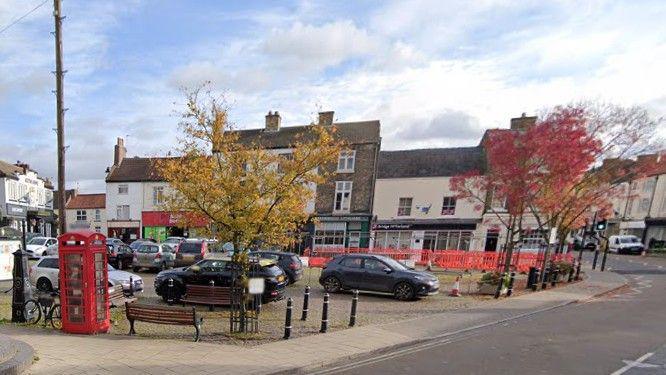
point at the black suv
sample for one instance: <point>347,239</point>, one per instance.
<point>289,262</point>
<point>218,270</point>
<point>376,273</point>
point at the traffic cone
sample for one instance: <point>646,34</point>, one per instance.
<point>455,292</point>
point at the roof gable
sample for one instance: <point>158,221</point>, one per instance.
<point>87,201</point>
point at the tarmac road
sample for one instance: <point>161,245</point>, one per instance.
<point>620,333</point>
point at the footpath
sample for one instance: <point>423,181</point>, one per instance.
<point>104,354</point>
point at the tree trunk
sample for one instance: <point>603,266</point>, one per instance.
<point>542,274</point>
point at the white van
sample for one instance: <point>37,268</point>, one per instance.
<point>625,244</point>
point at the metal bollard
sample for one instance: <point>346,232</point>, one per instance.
<point>211,307</point>
<point>324,315</point>
<point>535,282</point>
<point>131,289</point>
<point>352,317</point>
<point>546,277</point>
<point>500,285</point>
<point>594,261</point>
<point>170,292</point>
<point>571,272</point>
<point>603,260</point>
<point>512,279</point>
<point>306,302</point>
<point>287,320</point>
<point>530,277</point>
<point>577,277</point>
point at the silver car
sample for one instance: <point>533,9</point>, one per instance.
<point>153,256</point>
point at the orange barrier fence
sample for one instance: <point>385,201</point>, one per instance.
<point>447,259</point>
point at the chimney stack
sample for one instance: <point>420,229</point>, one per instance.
<point>523,122</point>
<point>119,152</point>
<point>24,166</point>
<point>273,121</point>
<point>326,118</point>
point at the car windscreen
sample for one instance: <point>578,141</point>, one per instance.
<point>148,249</point>
<point>37,241</point>
<point>394,264</point>
<point>190,247</point>
<point>629,239</point>
<point>172,240</point>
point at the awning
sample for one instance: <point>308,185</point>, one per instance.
<point>635,224</point>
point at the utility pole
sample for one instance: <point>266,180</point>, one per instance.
<point>60,115</point>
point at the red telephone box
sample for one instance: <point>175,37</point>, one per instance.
<point>84,294</point>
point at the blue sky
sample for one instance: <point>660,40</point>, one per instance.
<point>436,73</point>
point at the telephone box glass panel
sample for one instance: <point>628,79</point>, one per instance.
<point>74,287</point>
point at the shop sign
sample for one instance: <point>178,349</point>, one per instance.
<point>80,225</point>
<point>391,226</point>
<point>15,210</point>
<point>341,218</point>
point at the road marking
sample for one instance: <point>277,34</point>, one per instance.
<point>637,363</point>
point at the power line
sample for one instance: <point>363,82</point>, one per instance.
<point>23,16</point>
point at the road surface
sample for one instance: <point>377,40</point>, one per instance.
<point>620,333</point>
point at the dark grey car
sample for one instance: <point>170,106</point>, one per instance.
<point>377,273</point>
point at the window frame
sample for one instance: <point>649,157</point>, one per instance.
<point>348,160</point>
<point>404,209</point>
<point>450,208</point>
<point>158,195</point>
<point>340,191</point>
<point>120,212</point>
<point>81,215</point>
<point>123,189</point>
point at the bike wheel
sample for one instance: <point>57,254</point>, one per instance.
<point>56,317</point>
<point>32,311</point>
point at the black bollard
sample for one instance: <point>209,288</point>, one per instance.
<point>306,302</point>
<point>21,289</point>
<point>500,285</point>
<point>352,317</point>
<point>577,277</point>
<point>287,320</point>
<point>131,289</point>
<point>170,292</point>
<point>554,276</point>
<point>324,315</point>
<point>571,272</point>
<point>603,260</point>
<point>546,277</point>
<point>594,261</point>
<point>512,279</point>
<point>530,277</point>
<point>211,307</point>
<point>535,282</point>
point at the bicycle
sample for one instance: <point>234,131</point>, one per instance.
<point>44,304</point>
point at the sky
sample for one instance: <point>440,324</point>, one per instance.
<point>436,73</point>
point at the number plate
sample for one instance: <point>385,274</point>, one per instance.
<point>281,278</point>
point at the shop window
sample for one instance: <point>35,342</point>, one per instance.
<point>81,215</point>
<point>404,206</point>
<point>343,191</point>
<point>123,189</point>
<point>158,195</point>
<point>123,212</point>
<point>449,206</point>
<point>346,161</point>
<point>330,235</point>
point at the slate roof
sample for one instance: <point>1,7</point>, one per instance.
<point>87,201</point>
<point>430,162</point>
<point>135,170</point>
<point>9,170</point>
<point>351,132</point>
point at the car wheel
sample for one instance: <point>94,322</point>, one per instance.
<point>332,284</point>
<point>44,284</point>
<point>404,291</point>
<point>44,254</point>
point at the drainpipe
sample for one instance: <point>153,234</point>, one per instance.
<point>375,167</point>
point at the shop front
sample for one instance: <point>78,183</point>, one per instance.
<point>341,231</point>
<point>42,222</point>
<point>159,225</point>
<point>633,227</point>
<point>126,230</point>
<point>427,234</point>
<point>655,231</point>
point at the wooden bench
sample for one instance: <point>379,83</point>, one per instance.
<point>117,297</point>
<point>163,315</point>
<point>207,295</point>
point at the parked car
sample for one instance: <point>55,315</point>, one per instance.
<point>174,240</point>
<point>115,241</point>
<point>190,251</point>
<point>377,273</point>
<point>52,250</point>
<point>120,255</point>
<point>219,269</point>
<point>289,262</point>
<point>628,244</point>
<point>44,275</point>
<point>136,244</point>
<point>36,247</point>
<point>152,256</point>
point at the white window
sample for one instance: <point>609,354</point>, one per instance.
<point>404,206</point>
<point>23,191</point>
<point>122,212</point>
<point>98,215</point>
<point>648,185</point>
<point>12,193</point>
<point>123,189</point>
<point>81,215</point>
<point>346,161</point>
<point>158,195</point>
<point>449,206</point>
<point>644,205</point>
<point>343,191</point>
